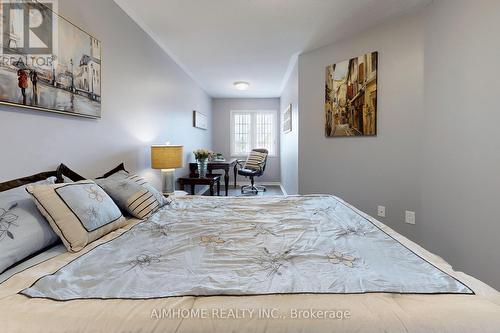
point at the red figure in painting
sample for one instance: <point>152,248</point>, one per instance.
<point>22,79</point>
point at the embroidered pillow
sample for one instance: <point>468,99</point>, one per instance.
<point>133,194</point>
<point>79,212</point>
<point>23,230</point>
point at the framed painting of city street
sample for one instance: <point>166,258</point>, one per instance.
<point>287,119</point>
<point>46,62</point>
<point>351,97</point>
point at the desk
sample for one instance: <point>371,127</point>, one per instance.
<point>217,165</point>
<point>194,179</point>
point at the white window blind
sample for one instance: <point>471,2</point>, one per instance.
<point>253,129</point>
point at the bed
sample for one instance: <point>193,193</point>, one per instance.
<point>264,264</point>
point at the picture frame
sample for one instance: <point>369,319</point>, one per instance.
<point>61,73</point>
<point>351,97</point>
<point>287,119</point>
<point>199,120</point>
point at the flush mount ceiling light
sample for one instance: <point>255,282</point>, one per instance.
<point>241,85</point>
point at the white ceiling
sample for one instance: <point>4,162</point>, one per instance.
<point>218,42</point>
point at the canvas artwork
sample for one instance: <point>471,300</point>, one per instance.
<point>287,119</point>
<point>200,120</point>
<point>351,97</point>
<point>47,63</point>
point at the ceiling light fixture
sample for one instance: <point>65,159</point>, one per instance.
<point>241,85</point>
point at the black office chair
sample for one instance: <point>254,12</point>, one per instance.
<point>253,166</point>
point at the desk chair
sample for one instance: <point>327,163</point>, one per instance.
<point>253,166</point>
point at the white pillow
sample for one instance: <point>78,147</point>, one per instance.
<point>23,230</point>
<point>78,212</point>
<point>133,194</point>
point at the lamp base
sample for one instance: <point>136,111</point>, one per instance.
<point>168,180</point>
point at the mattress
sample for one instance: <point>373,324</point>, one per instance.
<point>279,278</point>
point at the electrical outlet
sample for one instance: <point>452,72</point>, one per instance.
<point>381,211</point>
<point>410,217</point>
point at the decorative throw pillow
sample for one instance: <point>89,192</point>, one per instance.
<point>79,212</point>
<point>23,230</point>
<point>133,194</point>
<point>255,160</point>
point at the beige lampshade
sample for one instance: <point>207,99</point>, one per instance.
<point>166,156</point>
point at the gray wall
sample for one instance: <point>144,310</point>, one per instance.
<point>461,142</point>
<point>222,108</point>
<point>369,171</point>
<point>147,99</point>
<point>437,148</point>
<point>289,158</point>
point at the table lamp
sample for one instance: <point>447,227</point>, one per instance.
<point>166,158</point>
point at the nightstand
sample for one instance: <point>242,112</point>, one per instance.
<point>212,180</point>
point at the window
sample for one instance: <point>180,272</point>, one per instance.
<point>253,129</point>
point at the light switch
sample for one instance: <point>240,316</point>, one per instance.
<point>381,211</point>
<point>410,217</point>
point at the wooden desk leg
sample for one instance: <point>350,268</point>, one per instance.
<point>235,172</point>
<point>218,187</point>
<point>192,189</point>
<point>211,189</point>
<point>226,179</point>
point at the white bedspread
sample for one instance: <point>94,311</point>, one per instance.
<point>241,246</point>
<point>369,312</point>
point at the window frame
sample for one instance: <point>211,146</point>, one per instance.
<point>253,130</point>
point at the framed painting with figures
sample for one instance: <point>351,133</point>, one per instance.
<point>351,97</point>
<point>47,63</point>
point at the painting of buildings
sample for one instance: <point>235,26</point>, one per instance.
<point>351,97</point>
<point>65,78</point>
